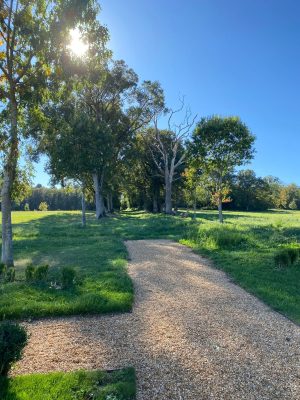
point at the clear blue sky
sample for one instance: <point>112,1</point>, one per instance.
<point>228,57</point>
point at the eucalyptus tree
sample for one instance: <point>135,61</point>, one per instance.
<point>33,50</point>
<point>117,107</point>
<point>167,148</point>
<point>219,145</point>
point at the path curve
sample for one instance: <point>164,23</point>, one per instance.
<point>192,335</point>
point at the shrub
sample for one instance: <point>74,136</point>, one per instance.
<point>26,207</point>
<point>2,270</point>
<point>293,254</point>
<point>68,275</point>
<point>41,272</point>
<point>286,257</point>
<point>43,206</point>
<point>10,274</point>
<point>13,338</point>
<point>29,273</point>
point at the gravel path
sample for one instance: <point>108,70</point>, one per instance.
<point>192,335</point>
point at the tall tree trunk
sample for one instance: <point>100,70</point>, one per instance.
<point>220,210</point>
<point>9,174</point>
<point>98,185</point>
<point>111,202</point>
<point>194,205</point>
<point>168,196</point>
<point>83,208</point>
<point>155,203</point>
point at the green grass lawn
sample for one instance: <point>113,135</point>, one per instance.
<point>244,247</point>
<point>81,385</point>
<point>97,253</point>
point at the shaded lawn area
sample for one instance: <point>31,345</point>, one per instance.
<point>97,253</point>
<point>81,385</point>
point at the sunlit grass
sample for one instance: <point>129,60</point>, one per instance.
<point>79,385</point>
<point>244,247</point>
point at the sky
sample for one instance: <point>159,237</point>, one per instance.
<point>227,57</point>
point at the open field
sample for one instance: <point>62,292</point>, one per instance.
<point>96,385</point>
<point>243,247</point>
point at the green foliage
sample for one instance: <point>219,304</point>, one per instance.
<point>68,277</point>
<point>10,274</point>
<point>43,206</point>
<point>218,146</point>
<point>36,274</point>
<point>286,257</point>
<point>214,236</point>
<point>26,207</point>
<point>282,259</point>
<point>29,273</point>
<point>13,338</point>
<point>77,385</point>
<point>2,270</point>
<point>41,272</point>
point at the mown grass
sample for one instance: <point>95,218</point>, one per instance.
<point>244,246</point>
<point>81,385</point>
<point>97,253</point>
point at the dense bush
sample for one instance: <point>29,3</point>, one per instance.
<point>68,277</point>
<point>41,272</point>
<point>38,273</point>
<point>10,274</point>
<point>29,273</point>
<point>43,206</point>
<point>2,270</point>
<point>13,338</point>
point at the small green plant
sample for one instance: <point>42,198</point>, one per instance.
<point>13,338</point>
<point>29,273</point>
<point>43,206</point>
<point>26,207</point>
<point>41,272</point>
<point>293,254</point>
<point>286,257</point>
<point>2,270</point>
<point>68,277</point>
<point>10,274</point>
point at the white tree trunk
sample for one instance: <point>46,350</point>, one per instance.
<point>6,192</point>
<point>7,247</point>
<point>220,210</point>
<point>168,195</point>
<point>83,208</point>
<point>98,184</point>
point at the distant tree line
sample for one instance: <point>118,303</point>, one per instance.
<point>146,192</point>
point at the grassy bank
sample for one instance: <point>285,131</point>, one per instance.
<point>79,385</point>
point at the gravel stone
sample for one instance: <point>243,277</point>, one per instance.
<point>192,335</point>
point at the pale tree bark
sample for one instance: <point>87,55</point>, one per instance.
<point>83,207</point>
<point>220,209</point>
<point>169,160</point>
<point>6,192</point>
<point>168,193</point>
<point>99,200</point>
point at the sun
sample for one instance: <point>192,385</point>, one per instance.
<point>77,46</point>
